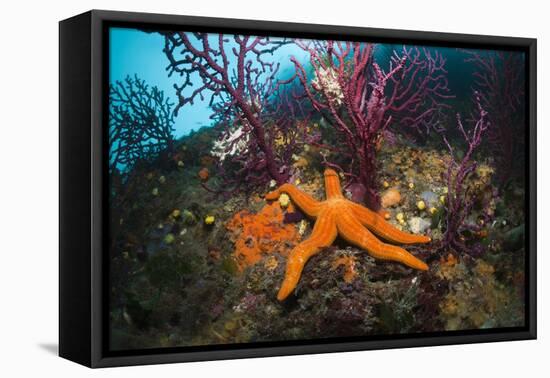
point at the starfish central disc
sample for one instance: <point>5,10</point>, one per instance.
<point>337,216</point>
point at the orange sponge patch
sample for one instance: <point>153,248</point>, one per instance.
<point>256,235</point>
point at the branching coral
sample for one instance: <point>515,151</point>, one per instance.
<point>289,129</point>
<point>240,84</point>
<point>360,100</point>
<point>459,199</point>
<point>140,123</point>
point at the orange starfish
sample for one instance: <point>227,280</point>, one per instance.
<point>339,216</point>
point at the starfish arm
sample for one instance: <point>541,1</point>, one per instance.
<point>323,235</point>
<point>380,227</point>
<point>332,184</point>
<point>354,232</point>
<point>304,201</point>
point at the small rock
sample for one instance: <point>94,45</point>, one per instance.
<point>356,192</point>
<point>302,227</point>
<point>301,162</point>
<point>169,238</point>
<point>204,174</point>
<point>430,198</point>
<point>284,200</point>
<point>188,218</point>
<point>391,197</point>
<point>419,225</point>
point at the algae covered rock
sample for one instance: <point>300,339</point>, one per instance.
<point>419,225</point>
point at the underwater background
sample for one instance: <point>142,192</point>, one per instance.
<point>266,189</point>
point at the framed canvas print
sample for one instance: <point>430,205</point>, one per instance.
<point>234,188</point>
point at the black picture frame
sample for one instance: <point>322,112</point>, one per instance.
<point>83,207</point>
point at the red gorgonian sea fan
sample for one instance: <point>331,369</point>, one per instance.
<point>360,100</point>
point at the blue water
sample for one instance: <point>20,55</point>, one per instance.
<point>136,52</point>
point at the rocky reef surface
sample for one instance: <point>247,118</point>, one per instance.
<point>193,267</point>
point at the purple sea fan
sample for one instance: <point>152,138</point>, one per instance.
<point>459,201</point>
<point>141,124</point>
<point>235,72</point>
<point>499,77</point>
<point>360,100</point>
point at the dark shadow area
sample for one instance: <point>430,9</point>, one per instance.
<point>52,348</point>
